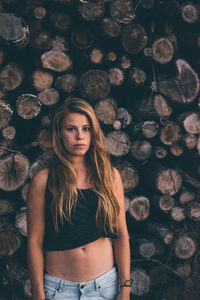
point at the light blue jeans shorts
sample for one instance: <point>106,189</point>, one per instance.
<point>105,286</point>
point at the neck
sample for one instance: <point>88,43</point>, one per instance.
<point>79,163</point>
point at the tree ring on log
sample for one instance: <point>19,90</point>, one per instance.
<point>185,247</point>
<point>169,181</point>
<point>56,60</point>
<point>28,106</point>
<point>122,11</point>
<point>14,31</point>
<point>141,282</point>
<point>118,143</point>
<point>95,85</point>
<point>162,50</point>
<point>134,38</point>
<point>13,171</point>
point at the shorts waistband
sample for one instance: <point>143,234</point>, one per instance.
<point>61,283</point>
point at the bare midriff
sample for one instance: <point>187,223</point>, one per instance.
<point>81,264</point>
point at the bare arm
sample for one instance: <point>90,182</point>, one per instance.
<point>121,245</point>
<point>36,227</point>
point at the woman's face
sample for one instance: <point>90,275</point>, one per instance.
<point>76,134</point>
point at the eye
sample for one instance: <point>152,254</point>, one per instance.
<point>70,129</point>
<point>86,128</point>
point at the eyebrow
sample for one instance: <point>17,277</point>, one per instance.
<point>71,125</point>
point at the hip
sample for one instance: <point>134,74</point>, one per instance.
<point>104,286</point>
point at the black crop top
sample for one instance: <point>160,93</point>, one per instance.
<point>81,231</point>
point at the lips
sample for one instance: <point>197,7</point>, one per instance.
<point>79,145</point>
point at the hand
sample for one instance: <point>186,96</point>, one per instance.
<point>124,294</point>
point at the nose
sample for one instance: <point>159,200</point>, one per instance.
<point>79,134</point>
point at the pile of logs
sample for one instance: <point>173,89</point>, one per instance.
<point>138,64</point>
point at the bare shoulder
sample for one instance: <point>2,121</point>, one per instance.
<point>117,176</point>
<point>39,181</point>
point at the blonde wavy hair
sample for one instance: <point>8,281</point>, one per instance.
<point>62,175</point>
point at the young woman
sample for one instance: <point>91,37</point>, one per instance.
<point>78,243</point>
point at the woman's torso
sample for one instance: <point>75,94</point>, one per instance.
<point>82,263</point>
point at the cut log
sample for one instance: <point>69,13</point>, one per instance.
<point>186,196</point>
<point>95,85</point>
<point>13,171</point>
<point>190,122</point>
<point>118,143</point>
<point>14,31</point>
<point>154,107</point>
<point>41,80</point>
<point>6,206</point>
<point>28,106</point>
<point>105,111</point>
<point>60,21</point>
<point>11,77</point>
<point>193,211</point>
<point>67,82</point>
<point>5,146</point>
<point>6,114</point>
<point>20,221</point>
<point>96,56</point>
<point>164,202</point>
<point>116,76</point>
<point>39,12</point>
<point>150,247</point>
<point>176,149</point>
<point>41,39</point>
<point>45,139</point>
<point>129,175</point>
<point>9,133</point>
<point>56,60</point>
<point>124,117</point>
<point>10,240</point>
<point>160,152</point>
<point>169,181</point>
<point>48,96</point>
<point>139,208</point>
<point>92,11</point>
<point>111,27</point>
<point>170,133</point>
<point>149,129</point>
<point>141,150</point>
<point>59,43</point>
<point>111,56</point>
<point>185,247</point>
<point>122,11</point>
<point>134,38</point>
<point>138,76</point>
<point>162,50</point>
<point>82,37</point>
<point>125,62</point>
<point>178,213</point>
<point>190,13</point>
<point>190,141</point>
<point>141,282</point>
<point>183,88</point>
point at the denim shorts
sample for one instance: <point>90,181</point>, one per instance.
<point>105,286</point>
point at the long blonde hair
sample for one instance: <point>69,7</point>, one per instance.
<point>62,175</point>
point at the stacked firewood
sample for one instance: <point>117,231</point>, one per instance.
<point>138,64</point>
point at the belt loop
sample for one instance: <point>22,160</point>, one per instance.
<point>96,285</point>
